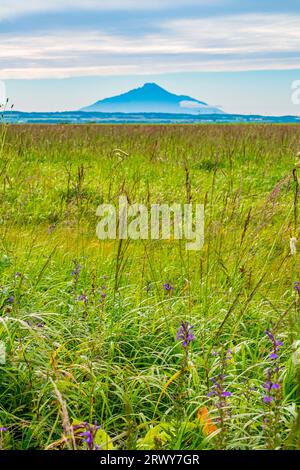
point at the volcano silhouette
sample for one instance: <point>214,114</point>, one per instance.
<point>151,98</point>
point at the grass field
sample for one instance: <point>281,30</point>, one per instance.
<point>89,327</point>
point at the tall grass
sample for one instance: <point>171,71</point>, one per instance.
<point>100,344</point>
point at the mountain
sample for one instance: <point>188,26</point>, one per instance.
<point>151,98</point>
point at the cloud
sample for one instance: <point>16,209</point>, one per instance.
<point>248,33</point>
<point>15,8</point>
<point>191,104</point>
<point>236,42</point>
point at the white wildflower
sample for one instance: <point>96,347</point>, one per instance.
<point>293,242</point>
<point>296,353</point>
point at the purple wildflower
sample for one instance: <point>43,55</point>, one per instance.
<point>217,384</point>
<point>218,388</point>
<point>228,357</point>
<point>276,345</point>
<point>276,386</point>
<point>88,439</point>
<point>268,384</point>
<point>89,434</point>
<point>271,384</point>
<point>297,286</point>
<point>11,299</point>
<point>103,293</point>
<point>83,297</point>
<point>3,429</point>
<point>185,334</point>
<point>168,287</point>
<point>269,334</point>
<point>268,399</point>
<point>219,395</point>
<point>18,274</point>
<point>76,271</point>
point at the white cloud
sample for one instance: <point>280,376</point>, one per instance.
<point>191,104</point>
<point>136,69</point>
<point>243,42</point>
<point>249,33</point>
<point>13,8</point>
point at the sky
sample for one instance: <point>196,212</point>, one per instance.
<point>243,56</point>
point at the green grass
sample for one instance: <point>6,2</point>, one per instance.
<point>116,359</point>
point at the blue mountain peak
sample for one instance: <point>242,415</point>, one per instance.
<point>151,98</point>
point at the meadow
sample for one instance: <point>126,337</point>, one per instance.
<point>142,344</point>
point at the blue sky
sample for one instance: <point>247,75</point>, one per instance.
<point>65,54</point>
